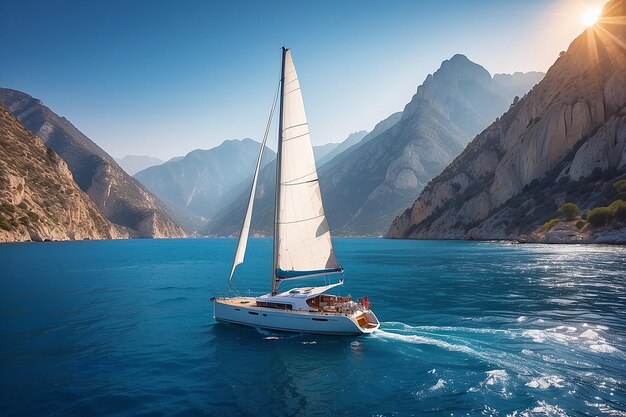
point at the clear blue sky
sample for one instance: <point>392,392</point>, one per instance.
<point>165,77</point>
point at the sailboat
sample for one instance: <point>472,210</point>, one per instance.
<point>302,242</point>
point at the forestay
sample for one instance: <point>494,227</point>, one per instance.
<point>303,244</point>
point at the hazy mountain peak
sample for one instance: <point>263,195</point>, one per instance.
<point>202,182</point>
<point>132,164</point>
<point>461,90</point>
<point>564,141</point>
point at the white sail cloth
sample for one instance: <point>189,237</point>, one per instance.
<point>303,244</point>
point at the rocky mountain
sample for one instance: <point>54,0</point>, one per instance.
<point>371,182</point>
<point>565,141</point>
<point>122,199</point>
<point>367,188</point>
<point>227,221</point>
<point>327,152</point>
<point>202,182</point>
<point>132,164</point>
<point>39,199</point>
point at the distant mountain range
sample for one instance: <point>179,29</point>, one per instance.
<point>132,164</point>
<point>201,183</point>
<point>367,179</point>
<point>325,153</point>
<point>39,199</point>
<point>372,181</point>
<point>122,199</point>
<point>565,141</point>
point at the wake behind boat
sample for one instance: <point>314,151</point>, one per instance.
<point>302,241</point>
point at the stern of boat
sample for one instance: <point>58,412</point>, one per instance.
<point>366,321</point>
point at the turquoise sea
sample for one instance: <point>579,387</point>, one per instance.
<point>101,328</point>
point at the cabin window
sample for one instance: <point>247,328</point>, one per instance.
<point>316,319</point>
<point>253,313</point>
<point>280,306</point>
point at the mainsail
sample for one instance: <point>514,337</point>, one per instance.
<point>302,244</point>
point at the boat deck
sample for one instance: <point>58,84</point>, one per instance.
<point>238,301</point>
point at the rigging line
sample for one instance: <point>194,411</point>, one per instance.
<point>303,220</point>
<point>267,130</point>
<point>295,137</point>
<point>300,177</point>
<point>292,91</point>
<point>299,183</point>
<point>291,127</point>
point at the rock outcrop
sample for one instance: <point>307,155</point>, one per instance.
<point>563,141</point>
<point>122,199</point>
<point>39,199</point>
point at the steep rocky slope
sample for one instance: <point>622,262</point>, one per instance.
<point>202,182</point>
<point>122,199</point>
<point>368,184</point>
<point>39,199</point>
<point>563,141</point>
<point>368,187</point>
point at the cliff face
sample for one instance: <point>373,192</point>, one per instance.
<point>122,199</point>
<point>567,134</point>
<point>368,184</point>
<point>367,188</point>
<point>39,199</point>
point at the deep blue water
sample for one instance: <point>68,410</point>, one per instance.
<point>125,328</point>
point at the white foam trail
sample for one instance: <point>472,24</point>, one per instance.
<point>545,382</point>
<point>590,338</point>
<point>603,348</point>
<point>440,384</point>
<point>405,327</point>
<point>497,376</point>
<point>422,340</point>
<point>541,409</point>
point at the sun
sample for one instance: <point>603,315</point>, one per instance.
<point>591,16</point>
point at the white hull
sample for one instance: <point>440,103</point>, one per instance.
<point>243,310</point>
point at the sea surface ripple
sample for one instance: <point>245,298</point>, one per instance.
<point>106,328</point>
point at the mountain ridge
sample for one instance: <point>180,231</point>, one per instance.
<point>123,200</point>
<point>39,199</point>
<point>564,140</point>
<point>201,182</point>
<point>368,184</point>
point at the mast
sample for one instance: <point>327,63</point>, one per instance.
<point>275,280</point>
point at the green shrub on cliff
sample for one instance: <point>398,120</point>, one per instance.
<point>569,210</point>
<point>618,209</point>
<point>620,185</point>
<point>550,224</point>
<point>599,216</point>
